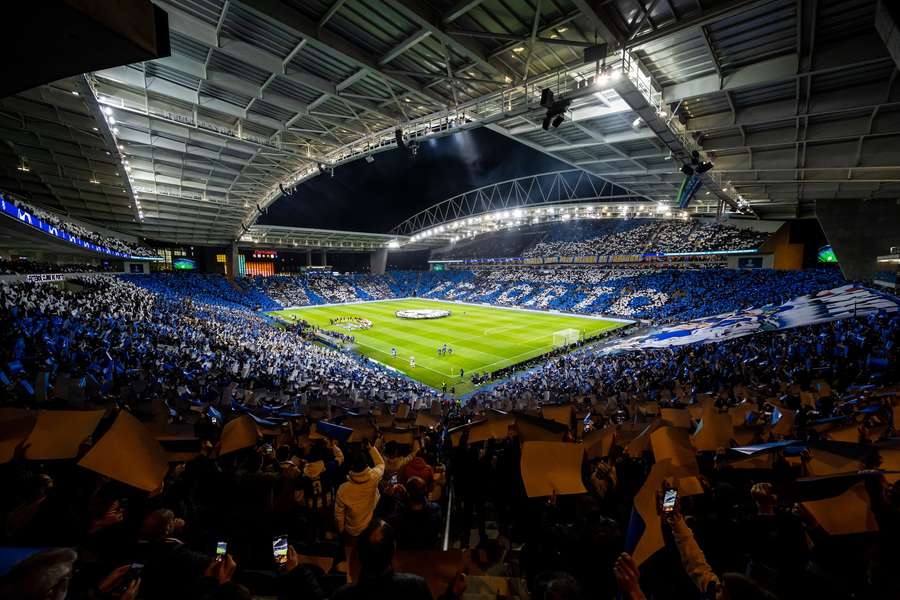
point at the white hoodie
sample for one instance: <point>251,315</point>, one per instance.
<point>357,497</point>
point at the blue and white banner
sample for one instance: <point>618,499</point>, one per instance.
<point>23,216</point>
<point>828,305</point>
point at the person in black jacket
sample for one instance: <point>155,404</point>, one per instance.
<point>377,579</point>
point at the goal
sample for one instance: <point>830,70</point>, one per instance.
<point>565,337</point>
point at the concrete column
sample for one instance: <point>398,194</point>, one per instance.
<point>309,258</point>
<point>232,261</point>
<point>378,261</point>
<point>324,257</point>
<point>860,231</point>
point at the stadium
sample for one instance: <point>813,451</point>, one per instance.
<point>450,299</point>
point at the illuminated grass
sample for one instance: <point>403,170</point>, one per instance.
<point>483,338</point>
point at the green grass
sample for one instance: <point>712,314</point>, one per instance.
<point>483,338</point>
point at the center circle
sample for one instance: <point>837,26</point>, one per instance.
<point>422,313</point>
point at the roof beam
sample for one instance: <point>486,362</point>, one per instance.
<point>330,13</point>
<point>511,37</point>
<point>591,10</point>
<point>460,8</point>
<point>704,17</point>
<point>283,16</point>
<point>850,53</point>
<point>403,46</point>
<point>426,18</point>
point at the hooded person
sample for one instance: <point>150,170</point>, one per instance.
<point>357,497</point>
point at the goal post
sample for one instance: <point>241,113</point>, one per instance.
<point>566,337</point>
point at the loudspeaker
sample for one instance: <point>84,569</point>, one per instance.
<point>595,53</point>
<point>546,97</point>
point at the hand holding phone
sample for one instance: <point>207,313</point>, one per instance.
<point>670,497</point>
<point>221,550</point>
<point>280,550</point>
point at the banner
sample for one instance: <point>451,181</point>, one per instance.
<point>44,277</point>
<point>822,307</point>
<point>8,208</point>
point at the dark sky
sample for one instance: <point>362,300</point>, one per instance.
<point>375,197</point>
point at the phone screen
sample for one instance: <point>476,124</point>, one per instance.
<point>221,549</point>
<point>133,573</point>
<point>279,549</point>
<point>669,499</point>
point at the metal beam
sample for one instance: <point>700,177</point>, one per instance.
<point>284,16</point>
<point>509,37</point>
<point>403,46</point>
<point>591,10</point>
<point>460,8</point>
<point>426,18</point>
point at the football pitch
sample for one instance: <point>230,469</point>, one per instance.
<point>483,338</point>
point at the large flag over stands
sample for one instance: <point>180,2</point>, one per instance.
<point>822,307</point>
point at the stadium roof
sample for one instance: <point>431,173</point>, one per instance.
<point>304,238</point>
<point>793,100</point>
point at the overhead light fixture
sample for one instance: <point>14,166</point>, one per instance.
<point>75,92</point>
<point>519,49</point>
<point>112,120</point>
<point>369,158</point>
<point>661,113</point>
<point>115,131</point>
<point>107,111</point>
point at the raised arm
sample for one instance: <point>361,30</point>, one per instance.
<point>378,469</point>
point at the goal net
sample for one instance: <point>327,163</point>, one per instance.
<point>565,337</point>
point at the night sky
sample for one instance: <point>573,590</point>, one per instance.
<point>375,197</point>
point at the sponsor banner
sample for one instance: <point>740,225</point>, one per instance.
<point>44,277</point>
<point>829,305</point>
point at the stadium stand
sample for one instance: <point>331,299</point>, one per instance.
<point>193,344</point>
<point>23,267</point>
<point>318,363</point>
<point>639,236</point>
<point>69,226</point>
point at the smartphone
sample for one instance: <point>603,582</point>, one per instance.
<point>221,549</point>
<point>280,549</point>
<point>669,499</point>
<point>133,573</point>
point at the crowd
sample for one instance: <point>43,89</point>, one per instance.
<point>357,510</point>
<point>286,290</point>
<point>25,267</point>
<point>82,232</point>
<point>646,236</point>
<point>654,294</point>
<point>365,516</point>
<point>645,292</point>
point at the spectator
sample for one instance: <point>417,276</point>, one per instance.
<point>377,579</point>
<point>356,499</point>
<point>418,523</point>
